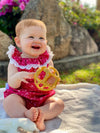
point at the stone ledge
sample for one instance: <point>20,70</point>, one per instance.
<point>76,62</point>
<point>3,69</point>
<point>63,64</point>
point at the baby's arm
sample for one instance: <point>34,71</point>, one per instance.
<point>51,63</point>
<point>15,78</point>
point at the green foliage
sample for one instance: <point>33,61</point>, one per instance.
<point>2,83</point>
<point>10,13</point>
<point>77,14</point>
<point>8,22</point>
<point>90,74</point>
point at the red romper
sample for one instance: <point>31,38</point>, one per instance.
<point>32,95</point>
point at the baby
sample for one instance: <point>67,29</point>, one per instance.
<point>23,98</point>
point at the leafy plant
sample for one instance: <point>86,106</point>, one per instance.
<point>77,14</point>
<point>7,24</point>
<point>8,5</point>
<point>10,13</point>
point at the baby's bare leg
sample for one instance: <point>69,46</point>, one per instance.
<point>14,106</point>
<point>52,108</point>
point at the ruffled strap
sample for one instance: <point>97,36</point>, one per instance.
<point>10,51</point>
<point>28,63</point>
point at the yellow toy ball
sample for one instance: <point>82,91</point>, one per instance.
<point>49,72</point>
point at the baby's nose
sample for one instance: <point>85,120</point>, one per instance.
<point>36,40</point>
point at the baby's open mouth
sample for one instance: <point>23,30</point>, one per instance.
<point>36,47</point>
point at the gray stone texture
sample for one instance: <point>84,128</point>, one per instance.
<point>81,42</point>
<point>5,41</point>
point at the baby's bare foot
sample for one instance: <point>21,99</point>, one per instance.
<point>32,114</point>
<point>40,121</point>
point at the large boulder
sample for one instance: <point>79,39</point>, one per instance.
<point>81,42</point>
<point>5,41</point>
<point>58,30</point>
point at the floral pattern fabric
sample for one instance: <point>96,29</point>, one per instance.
<point>32,95</point>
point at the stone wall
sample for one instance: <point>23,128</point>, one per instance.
<point>3,69</point>
<point>5,41</point>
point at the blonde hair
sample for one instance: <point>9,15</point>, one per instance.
<point>27,23</point>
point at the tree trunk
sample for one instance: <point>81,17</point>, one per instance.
<point>98,4</point>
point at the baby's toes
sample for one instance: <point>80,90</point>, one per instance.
<point>32,114</point>
<point>36,113</point>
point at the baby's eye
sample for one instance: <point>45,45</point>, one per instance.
<point>41,38</point>
<point>31,36</point>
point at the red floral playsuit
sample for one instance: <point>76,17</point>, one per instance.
<point>32,95</point>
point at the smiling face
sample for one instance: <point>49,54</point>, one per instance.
<point>32,41</point>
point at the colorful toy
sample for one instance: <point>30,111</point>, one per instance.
<point>42,84</point>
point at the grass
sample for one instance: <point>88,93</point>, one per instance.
<point>2,82</point>
<point>89,74</point>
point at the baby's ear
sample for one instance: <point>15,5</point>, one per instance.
<point>17,41</point>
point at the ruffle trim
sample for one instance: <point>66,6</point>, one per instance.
<point>26,63</point>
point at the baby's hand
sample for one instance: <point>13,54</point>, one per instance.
<point>51,80</point>
<point>26,75</point>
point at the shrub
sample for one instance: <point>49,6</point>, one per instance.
<point>77,14</point>
<point>10,13</point>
